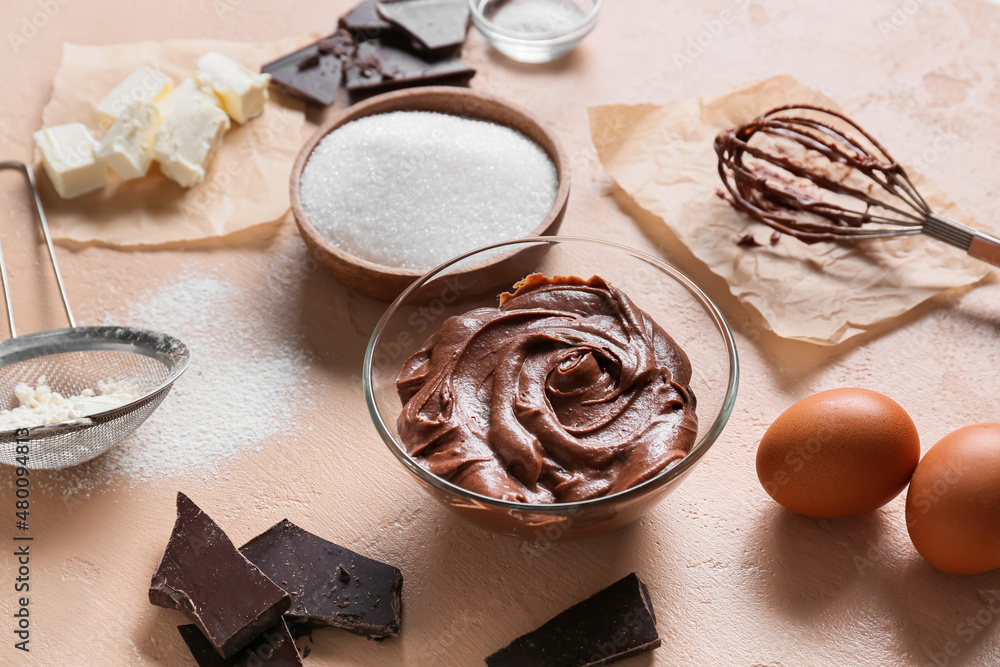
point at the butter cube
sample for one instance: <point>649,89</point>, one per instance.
<point>192,129</point>
<point>143,85</point>
<point>69,159</point>
<point>128,146</point>
<point>241,91</point>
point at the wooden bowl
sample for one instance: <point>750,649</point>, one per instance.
<point>386,282</point>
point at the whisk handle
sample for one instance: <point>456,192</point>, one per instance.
<point>977,243</point>
<point>986,248</point>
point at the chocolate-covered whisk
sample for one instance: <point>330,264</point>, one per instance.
<point>810,176</point>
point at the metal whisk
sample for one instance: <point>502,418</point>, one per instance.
<point>810,176</point>
<point>75,359</point>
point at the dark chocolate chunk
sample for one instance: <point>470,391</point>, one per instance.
<point>297,75</point>
<point>748,241</point>
<point>434,24</point>
<point>364,20</point>
<point>309,62</point>
<point>272,648</point>
<point>613,624</point>
<point>775,237</point>
<point>202,573</point>
<point>378,66</point>
<point>339,43</point>
<point>330,585</point>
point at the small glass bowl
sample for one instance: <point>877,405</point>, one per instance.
<point>535,31</point>
<point>476,279</point>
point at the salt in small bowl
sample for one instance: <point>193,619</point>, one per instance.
<point>535,31</point>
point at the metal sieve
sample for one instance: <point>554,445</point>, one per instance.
<point>75,359</point>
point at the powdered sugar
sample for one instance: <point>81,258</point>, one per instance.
<point>39,405</point>
<point>244,384</point>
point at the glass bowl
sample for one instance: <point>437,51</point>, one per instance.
<point>476,279</point>
<point>534,31</point>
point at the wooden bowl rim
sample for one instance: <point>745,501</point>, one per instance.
<point>364,109</point>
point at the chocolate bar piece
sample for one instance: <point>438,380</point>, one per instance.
<point>330,585</point>
<point>613,624</point>
<point>377,66</point>
<point>272,648</point>
<point>340,43</point>
<point>202,573</point>
<point>364,20</point>
<point>313,72</point>
<point>434,24</point>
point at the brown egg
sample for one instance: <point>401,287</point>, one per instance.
<point>838,453</point>
<point>953,504</point>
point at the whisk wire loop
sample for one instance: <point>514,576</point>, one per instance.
<point>800,177</point>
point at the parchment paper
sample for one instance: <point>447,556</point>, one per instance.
<point>246,183</point>
<point>825,293</point>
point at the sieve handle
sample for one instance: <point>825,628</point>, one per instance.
<point>6,295</point>
<point>30,175</point>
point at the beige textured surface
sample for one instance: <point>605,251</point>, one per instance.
<point>735,580</point>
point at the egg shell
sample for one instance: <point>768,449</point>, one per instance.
<point>838,453</point>
<point>953,504</point>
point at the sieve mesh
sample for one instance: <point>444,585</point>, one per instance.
<point>75,359</point>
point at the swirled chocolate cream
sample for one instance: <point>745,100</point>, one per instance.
<point>567,391</point>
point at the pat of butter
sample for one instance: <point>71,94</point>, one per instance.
<point>69,159</point>
<point>192,129</point>
<point>241,91</point>
<point>143,85</point>
<point>128,146</point>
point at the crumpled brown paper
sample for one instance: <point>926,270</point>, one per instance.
<point>246,183</point>
<point>663,157</point>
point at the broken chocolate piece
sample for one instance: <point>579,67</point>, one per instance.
<point>297,75</point>
<point>613,624</point>
<point>203,574</point>
<point>775,237</point>
<point>379,67</point>
<point>330,585</point>
<point>309,62</point>
<point>748,241</point>
<point>434,24</point>
<point>364,20</point>
<point>339,43</point>
<point>272,648</point>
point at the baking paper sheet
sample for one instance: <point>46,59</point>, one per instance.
<point>246,183</point>
<point>663,157</point>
